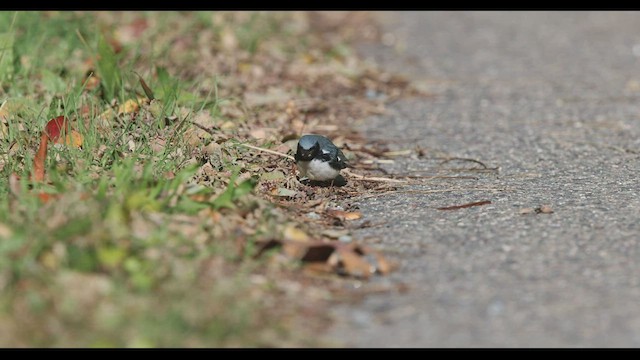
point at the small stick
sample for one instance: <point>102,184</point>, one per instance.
<point>456,207</point>
<point>378,179</point>
<point>485,167</point>
<point>267,151</point>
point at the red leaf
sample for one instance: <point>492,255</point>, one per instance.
<point>55,127</point>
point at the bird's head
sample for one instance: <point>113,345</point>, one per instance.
<point>308,148</point>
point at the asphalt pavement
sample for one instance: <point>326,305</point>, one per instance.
<point>551,100</point>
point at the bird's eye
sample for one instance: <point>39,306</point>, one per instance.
<point>326,157</point>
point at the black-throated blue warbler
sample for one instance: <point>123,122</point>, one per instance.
<point>318,159</point>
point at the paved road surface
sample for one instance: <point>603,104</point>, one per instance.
<point>553,100</point>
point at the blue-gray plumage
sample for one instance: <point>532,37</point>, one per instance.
<point>318,158</point>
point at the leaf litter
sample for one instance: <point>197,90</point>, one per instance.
<point>235,126</point>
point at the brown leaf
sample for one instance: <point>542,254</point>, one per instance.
<point>38,161</point>
<point>294,249</point>
<point>384,266</point>
<point>129,106</point>
<point>544,209</point>
<point>292,233</point>
<point>318,252</point>
<point>318,268</point>
<point>147,90</point>
<point>72,139</point>
<point>344,215</point>
<point>354,264</point>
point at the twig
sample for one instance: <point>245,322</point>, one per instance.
<point>485,167</point>
<point>464,206</point>
<point>438,177</point>
<point>397,153</point>
<point>377,179</point>
<point>267,151</point>
<point>430,191</point>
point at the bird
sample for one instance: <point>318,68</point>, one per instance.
<point>318,159</point>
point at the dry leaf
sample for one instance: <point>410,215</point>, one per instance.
<point>72,139</point>
<point>344,215</point>
<point>544,209</point>
<point>316,268</point>
<point>292,233</point>
<point>318,252</point>
<point>354,264</point>
<point>334,234</point>
<point>38,161</point>
<point>129,106</point>
<point>284,192</point>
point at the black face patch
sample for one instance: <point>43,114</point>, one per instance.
<point>303,154</point>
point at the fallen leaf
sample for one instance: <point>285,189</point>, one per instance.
<point>354,264</point>
<point>318,268</point>
<point>72,139</point>
<point>293,249</point>
<point>272,175</point>
<point>344,215</point>
<point>284,192</point>
<point>544,209</point>
<point>384,266</point>
<point>147,90</point>
<point>318,252</point>
<point>355,215</point>
<point>55,127</point>
<point>38,161</point>
<point>334,234</point>
<point>129,106</point>
<point>292,233</point>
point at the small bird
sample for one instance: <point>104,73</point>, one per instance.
<point>318,159</point>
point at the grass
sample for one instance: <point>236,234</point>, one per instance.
<point>147,233</point>
<point>128,253</point>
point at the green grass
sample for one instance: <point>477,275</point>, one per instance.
<point>126,253</point>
